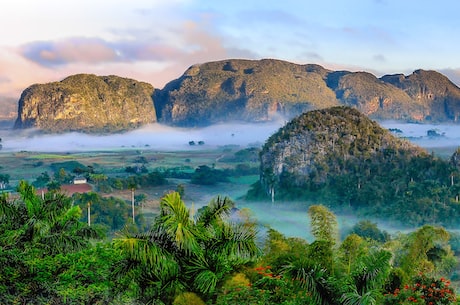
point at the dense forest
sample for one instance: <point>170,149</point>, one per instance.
<point>215,255</point>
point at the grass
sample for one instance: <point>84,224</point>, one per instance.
<point>50,156</point>
<point>246,180</point>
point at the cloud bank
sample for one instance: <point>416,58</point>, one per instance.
<point>155,137</point>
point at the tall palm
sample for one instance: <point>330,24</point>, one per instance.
<point>132,185</point>
<point>182,252</point>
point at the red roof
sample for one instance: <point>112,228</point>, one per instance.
<point>70,189</point>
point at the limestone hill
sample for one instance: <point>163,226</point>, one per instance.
<point>87,103</point>
<point>341,158</point>
<point>234,90</point>
<point>259,90</point>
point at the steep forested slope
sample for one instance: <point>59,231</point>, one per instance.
<point>339,156</point>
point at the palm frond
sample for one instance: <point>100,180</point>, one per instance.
<point>147,253</point>
<point>175,220</point>
<point>354,298</point>
<point>205,273</point>
<point>309,276</point>
<point>370,271</point>
<point>206,282</point>
<point>214,211</point>
<point>236,242</point>
<point>63,243</point>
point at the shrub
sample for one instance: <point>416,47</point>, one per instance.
<point>423,290</point>
<point>237,280</point>
<point>188,298</point>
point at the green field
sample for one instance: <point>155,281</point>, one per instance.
<point>29,165</point>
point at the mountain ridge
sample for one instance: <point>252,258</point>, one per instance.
<point>251,91</point>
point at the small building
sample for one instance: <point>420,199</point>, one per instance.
<point>79,180</point>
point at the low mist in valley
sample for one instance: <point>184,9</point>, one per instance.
<point>165,138</point>
<point>155,136</point>
<point>291,220</point>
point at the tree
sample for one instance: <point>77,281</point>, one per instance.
<point>368,278</point>
<point>97,178</point>
<point>132,186</point>
<point>323,224</point>
<point>206,175</point>
<point>51,224</point>
<point>34,232</point>
<point>53,186</point>
<point>111,212</point>
<point>426,250</point>
<point>42,180</point>
<point>181,253</point>
<point>368,229</point>
<point>4,180</point>
<point>351,249</point>
<point>62,176</point>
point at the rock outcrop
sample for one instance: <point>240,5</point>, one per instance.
<point>234,90</point>
<point>243,90</point>
<point>324,143</point>
<point>260,90</point>
<point>87,103</point>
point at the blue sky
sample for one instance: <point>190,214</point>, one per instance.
<point>155,41</point>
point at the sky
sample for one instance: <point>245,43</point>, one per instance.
<point>157,40</point>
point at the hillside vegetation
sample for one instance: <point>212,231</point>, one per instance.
<point>341,158</point>
<point>234,90</point>
<point>260,90</point>
<point>204,257</point>
<point>86,102</point>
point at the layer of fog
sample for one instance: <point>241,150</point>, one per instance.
<point>161,137</point>
<point>291,219</point>
<point>155,136</point>
<point>449,134</point>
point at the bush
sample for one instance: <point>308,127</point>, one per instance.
<point>188,298</point>
<point>423,290</point>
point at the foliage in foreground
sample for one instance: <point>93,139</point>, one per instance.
<point>185,252</point>
<point>210,257</point>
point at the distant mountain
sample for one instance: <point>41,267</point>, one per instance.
<point>234,90</point>
<point>260,90</point>
<point>248,90</point>
<point>9,108</point>
<point>88,103</point>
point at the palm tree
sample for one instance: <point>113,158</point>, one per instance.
<point>132,186</point>
<point>366,283</point>
<point>50,224</point>
<point>311,277</point>
<point>34,229</point>
<point>182,253</point>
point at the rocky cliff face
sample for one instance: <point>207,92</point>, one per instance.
<point>323,143</point>
<point>260,90</point>
<point>234,90</point>
<point>248,90</point>
<point>87,103</point>
<point>439,97</point>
